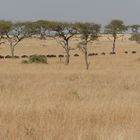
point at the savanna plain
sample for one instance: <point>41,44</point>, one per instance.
<point>58,102</point>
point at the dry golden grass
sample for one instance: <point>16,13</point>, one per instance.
<point>58,102</point>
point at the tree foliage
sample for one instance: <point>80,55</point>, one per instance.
<point>89,32</point>
<point>63,32</point>
<point>115,27</point>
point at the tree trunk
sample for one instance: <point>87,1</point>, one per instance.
<point>12,51</point>
<point>67,57</point>
<point>86,58</point>
<point>67,53</point>
<point>42,37</point>
<point>114,44</point>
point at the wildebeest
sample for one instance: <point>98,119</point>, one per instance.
<point>76,55</point>
<point>51,56</point>
<point>92,54</point>
<point>60,57</point>
<point>16,57</point>
<point>8,56</point>
<point>103,53</point>
<point>134,52</point>
<point>24,56</point>
<point>126,52</point>
<point>1,57</point>
<point>112,53</point>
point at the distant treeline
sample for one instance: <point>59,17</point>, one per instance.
<point>14,32</point>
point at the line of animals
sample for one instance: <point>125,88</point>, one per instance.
<point>61,56</point>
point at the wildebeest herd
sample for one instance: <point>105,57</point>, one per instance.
<point>61,55</point>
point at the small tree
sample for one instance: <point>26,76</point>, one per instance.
<point>63,32</point>
<point>135,35</point>
<point>17,32</point>
<point>115,27</point>
<point>89,32</point>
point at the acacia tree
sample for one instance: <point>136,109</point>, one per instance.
<point>89,32</point>
<point>17,32</point>
<point>114,28</point>
<point>63,32</point>
<point>135,35</point>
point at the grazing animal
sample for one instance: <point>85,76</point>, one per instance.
<point>103,53</point>
<point>1,57</point>
<point>76,55</point>
<point>112,53</point>
<point>92,54</point>
<point>126,52</point>
<point>24,56</point>
<point>16,57</point>
<point>51,56</point>
<point>8,56</point>
<point>134,52</point>
<point>60,57</point>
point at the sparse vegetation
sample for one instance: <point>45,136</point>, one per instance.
<point>55,102</point>
<point>135,35</point>
<point>36,59</point>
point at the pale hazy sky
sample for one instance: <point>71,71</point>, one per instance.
<point>99,11</point>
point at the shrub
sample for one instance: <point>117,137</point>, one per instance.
<point>135,37</point>
<point>38,59</point>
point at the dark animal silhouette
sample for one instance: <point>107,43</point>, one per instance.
<point>112,53</point>
<point>16,57</point>
<point>24,56</point>
<point>76,55</point>
<point>103,53</point>
<point>8,56</point>
<point>134,52</point>
<point>126,52</point>
<point>92,54</point>
<point>51,56</point>
<point>60,55</point>
<point>1,57</point>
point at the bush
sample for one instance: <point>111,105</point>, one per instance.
<point>135,37</point>
<point>38,59</point>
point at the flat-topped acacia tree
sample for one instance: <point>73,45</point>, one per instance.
<point>114,28</point>
<point>63,32</point>
<point>17,32</point>
<point>89,32</point>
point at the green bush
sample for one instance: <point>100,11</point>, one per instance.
<point>135,37</point>
<point>38,59</point>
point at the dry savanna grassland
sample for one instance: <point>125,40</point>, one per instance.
<point>58,102</point>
